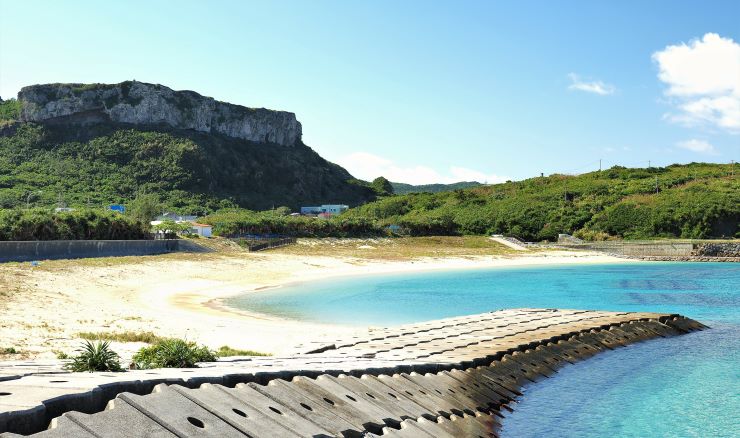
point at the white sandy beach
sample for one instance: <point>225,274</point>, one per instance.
<point>181,295</point>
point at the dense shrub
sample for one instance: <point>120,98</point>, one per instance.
<point>172,353</point>
<point>10,110</point>
<point>239,222</point>
<point>37,224</point>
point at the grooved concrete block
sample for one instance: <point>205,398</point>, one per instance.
<point>350,407</point>
<point>290,417</point>
<point>179,414</point>
<point>120,420</point>
<point>240,415</point>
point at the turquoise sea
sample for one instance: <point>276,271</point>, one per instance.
<point>687,386</point>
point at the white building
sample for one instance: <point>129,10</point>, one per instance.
<point>326,209</point>
<point>203,230</point>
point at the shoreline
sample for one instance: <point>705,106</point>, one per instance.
<point>421,266</point>
<point>184,295</point>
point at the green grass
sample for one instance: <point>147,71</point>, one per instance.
<point>226,351</point>
<point>127,336</point>
<point>60,354</point>
<point>399,248</point>
<point>9,350</point>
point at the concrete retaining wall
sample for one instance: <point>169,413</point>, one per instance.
<point>23,251</point>
<point>640,249</point>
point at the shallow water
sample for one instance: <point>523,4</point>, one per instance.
<point>683,386</point>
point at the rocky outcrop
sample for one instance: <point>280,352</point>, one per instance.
<point>140,103</point>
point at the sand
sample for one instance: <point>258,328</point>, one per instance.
<point>181,295</point>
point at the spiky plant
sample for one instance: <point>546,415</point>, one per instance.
<point>96,356</point>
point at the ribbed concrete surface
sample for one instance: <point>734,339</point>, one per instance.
<point>450,377</point>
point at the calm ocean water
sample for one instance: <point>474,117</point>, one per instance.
<point>687,386</point>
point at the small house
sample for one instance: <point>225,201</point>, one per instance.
<point>202,230</point>
<point>325,210</point>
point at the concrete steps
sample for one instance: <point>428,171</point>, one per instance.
<point>511,242</point>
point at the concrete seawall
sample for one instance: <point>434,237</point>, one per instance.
<point>639,249</point>
<point>446,378</point>
<point>664,250</point>
<point>23,251</point>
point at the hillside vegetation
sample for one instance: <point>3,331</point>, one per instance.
<point>190,172</point>
<point>692,201</point>
<point>402,188</point>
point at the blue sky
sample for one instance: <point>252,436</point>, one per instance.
<point>422,91</point>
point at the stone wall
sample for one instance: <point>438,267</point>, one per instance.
<point>23,251</point>
<point>725,249</point>
<point>150,104</point>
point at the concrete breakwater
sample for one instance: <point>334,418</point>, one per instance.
<point>445,378</point>
<point>23,251</point>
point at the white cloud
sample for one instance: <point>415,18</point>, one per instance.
<point>703,79</point>
<point>700,146</point>
<point>367,166</point>
<point>596,87</point>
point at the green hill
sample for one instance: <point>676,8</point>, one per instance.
<point>692,201</point>
<point>696,200</point>
<point>189,171</point>
<point>402,188</point>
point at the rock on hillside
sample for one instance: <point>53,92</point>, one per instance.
<point>140,103</point>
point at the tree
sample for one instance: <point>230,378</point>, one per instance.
<point>171,228</point>
<point>145,207</point>
<point>283,211</point>
<point>382,186</point>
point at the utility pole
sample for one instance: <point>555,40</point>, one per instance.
<point>648,164</point>
<point>599,165</point>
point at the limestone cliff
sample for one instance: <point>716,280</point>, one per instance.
<point>140,103</point>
